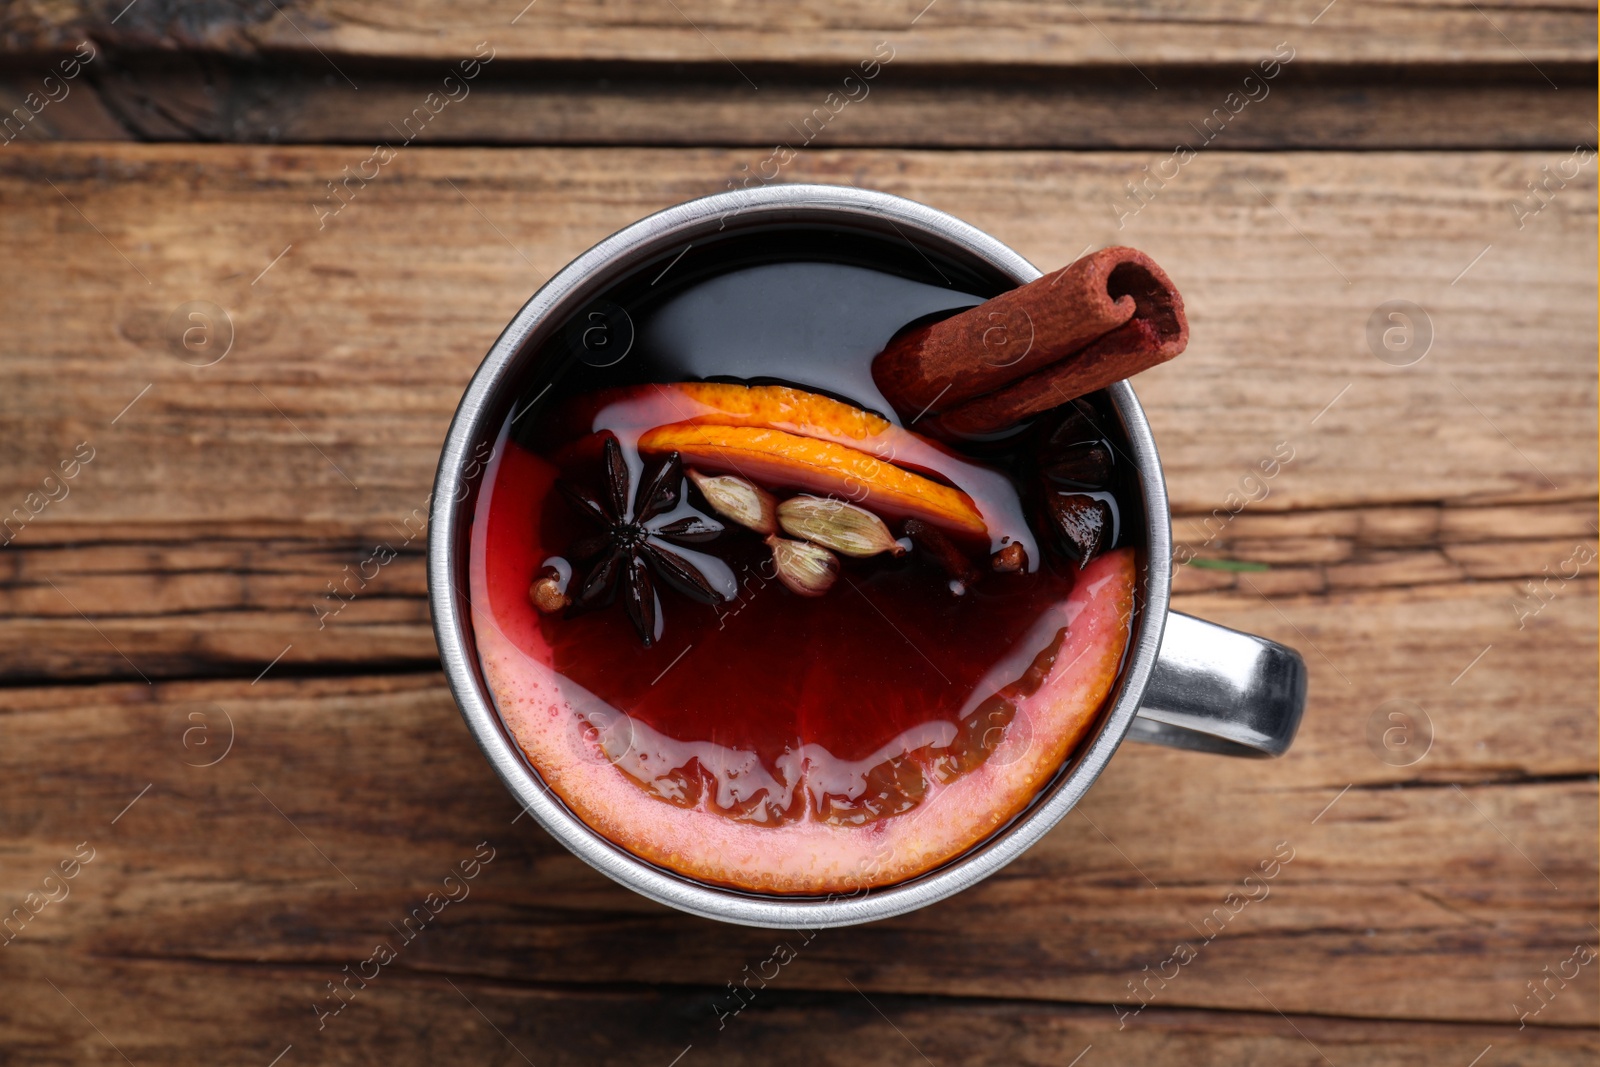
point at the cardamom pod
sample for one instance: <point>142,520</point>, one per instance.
<point>742,501</point>
<point>834,524</point>
<point>805,568</point>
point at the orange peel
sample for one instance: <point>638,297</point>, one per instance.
<point>783,407</point>
<point>777,457</point>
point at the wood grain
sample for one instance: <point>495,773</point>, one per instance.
<point>1398,541</point>
<point>484,1021</point>
<point>190,97</point>
<point>1449,938</point>
<point>1023,32</point>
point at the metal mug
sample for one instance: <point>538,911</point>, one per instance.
<point>1186,683</point>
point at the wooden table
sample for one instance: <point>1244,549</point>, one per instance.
<point>248,802</point>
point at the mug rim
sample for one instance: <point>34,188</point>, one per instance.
<point>569,289</point>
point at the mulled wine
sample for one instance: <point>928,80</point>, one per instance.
<point>752,624</point>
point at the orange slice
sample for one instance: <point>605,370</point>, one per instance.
<point>783,408</point>
<point>776,457</point>
<point>1070,657</point>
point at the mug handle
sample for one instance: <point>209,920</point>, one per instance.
<point>1218,690</point>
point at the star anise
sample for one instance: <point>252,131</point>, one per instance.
<point>626,548</point>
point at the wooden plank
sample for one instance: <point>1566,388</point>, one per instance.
<point>181,602</point>
<point>358,795</point>
<point>421,1018</point>
<point>1389,548</point>
<point>80,114</point>
<point>210,98</point>
<point>1024,32</point>
<point>251,1015</point>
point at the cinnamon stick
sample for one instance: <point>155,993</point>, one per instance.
<point>1105,317</point>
